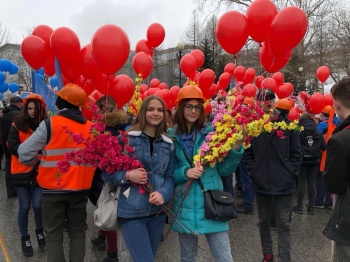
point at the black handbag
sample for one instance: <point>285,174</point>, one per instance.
<point>218,205</point>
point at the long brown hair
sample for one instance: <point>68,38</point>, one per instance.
<point>181,121</point>
<point>140,120</point>
<point>23,120</point>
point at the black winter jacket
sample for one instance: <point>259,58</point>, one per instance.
<point>274,162</point>
<point>9,114</point>
<point>337,181</point>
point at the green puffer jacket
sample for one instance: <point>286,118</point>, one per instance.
<point>190,216</point>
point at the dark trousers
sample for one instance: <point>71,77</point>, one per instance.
<point>227,182</point>
<point>248,193</point>
<point>57,209</point>
<point>307,176</point>
<point>11,190</point>
<point>323,197</point>
<point>283,208</point>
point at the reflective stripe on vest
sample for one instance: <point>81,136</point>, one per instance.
<point>79,177</point>
<point>16,166</point>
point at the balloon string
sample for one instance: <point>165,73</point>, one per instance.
<point>106,106</point>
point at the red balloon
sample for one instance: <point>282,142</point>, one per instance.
<point>279,78</point>
<point>260,15</point>
<point>250,75</point>
<point>143,88</point>
<point>284,91</point>
<point>110,48</point>
<point>154,83</point>
<point>152,91</point>
<point>232,35</point>
<point>65,45</point>
<point>122,90</point>
<point>293,114</point>
<point>49,65</point>
<point>323,73</point>
<point>270,61</point>
<point>206,79</point>
<point>188,65</point>
<point>328,99</point>
<point>287,30</point>
<point>316,103</point>
<point>249,90</point>
<point>88,87</point>
<point>143,46</point>
<point>208,108</point>
<point>103,82</point>
<point>33,51</point>
<point>163,86</point>
<point>196,77</point>
<point>44,32</point>
<point>198,56</point>
<point>224,80</point>
<point>230,68</point>
<point>269,83</point>
<point>155,34</point>
<point>89,67</point>
<point>239,73</point>
<point>258,81</point>
<point>71,71</point>
<point>174,90</point>
<point>142,64</point>
<point>209,92</point>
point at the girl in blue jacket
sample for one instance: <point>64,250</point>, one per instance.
<point>188,134</point>
<point>141,216</point>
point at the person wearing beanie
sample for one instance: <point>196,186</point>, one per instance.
<point>64,199</point>
<point>273,163</point>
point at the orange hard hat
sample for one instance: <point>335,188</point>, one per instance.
<point>327,110</point>
<point>73,94</point>
<point>189,91</point>
<point>284,104</point>
<point>34,96</point>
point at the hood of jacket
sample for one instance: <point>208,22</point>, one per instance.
<point>117,118</point>
<point>308,124</point>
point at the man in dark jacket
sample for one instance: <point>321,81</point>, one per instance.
<point>337,175</point>
<point>273,162</point>
<point>16,104</point>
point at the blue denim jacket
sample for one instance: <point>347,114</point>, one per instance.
<point>160,168</point>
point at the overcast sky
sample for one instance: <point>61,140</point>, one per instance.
<point>84,17</point>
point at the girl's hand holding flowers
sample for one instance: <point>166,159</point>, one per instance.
<point>195,172</point>
<point>137,176</point>
<point>156,199</point>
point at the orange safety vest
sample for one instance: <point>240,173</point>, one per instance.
<point>79,177</point>
<point>327,137</point>
<point>16,166</point>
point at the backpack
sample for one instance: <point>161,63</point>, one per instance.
<point>311,147</point>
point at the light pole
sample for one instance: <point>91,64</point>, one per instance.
<point>179,54</point>
<point>300,70</point>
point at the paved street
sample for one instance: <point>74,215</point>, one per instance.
<point>307,242</point>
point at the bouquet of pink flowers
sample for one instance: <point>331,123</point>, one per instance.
<point>101,150</point>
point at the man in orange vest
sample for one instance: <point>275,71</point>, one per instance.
<point>64,201</point>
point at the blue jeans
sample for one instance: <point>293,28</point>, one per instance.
<point>219,244</point>
<point>248,193</point>
<point>142,236</point>
<point>323,197</point>
<point>283,209</point>
<point>227,182</point>
<point>29,195</point>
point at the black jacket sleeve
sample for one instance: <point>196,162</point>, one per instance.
<point>335,176</point>
<point>13,141</point>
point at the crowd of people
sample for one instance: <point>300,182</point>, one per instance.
<point>165,142</point>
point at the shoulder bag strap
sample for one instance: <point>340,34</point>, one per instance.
<point>191,164</point>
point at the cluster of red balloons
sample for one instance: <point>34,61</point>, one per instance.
<point>142,61</point>
<point>278,32</point>
<point>316,102</point>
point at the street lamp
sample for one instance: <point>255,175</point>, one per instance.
<point>179,54</point>
<point>300,70</point>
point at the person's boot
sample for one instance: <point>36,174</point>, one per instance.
<point>268,258</point>
<point>27,246</point>
<point>99,242</point>
<point>111,257</point>
<point>41,238</point>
